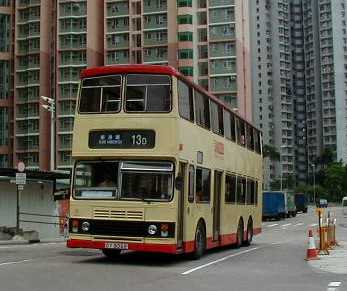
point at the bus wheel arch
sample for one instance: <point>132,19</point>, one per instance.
<point>240,232</point>
<point>199,239</point>
<point>249,233</point>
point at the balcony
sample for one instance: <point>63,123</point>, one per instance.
<point>158,21</point>
<point>118,25</point>
<point>222,15</point>
<point>220,67</point>
<point>223,84</point>
<point>119,41</point>
<point>154,6</point>
<point>222,32</point>
<point>222,50</point>
<point>155,55</point>
<point>118,57</point>
<point>155,38</point>
<point>117,9</point>
<point>218,3</point>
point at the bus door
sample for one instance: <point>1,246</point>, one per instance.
<point>180,205</point>
<point>217,204</point>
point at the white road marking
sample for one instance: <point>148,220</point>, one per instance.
<point>272,225</point>
<point>218,261</point>
<point>16,262</point>
<point>300,223</point>
<point>287,224</point>
<point>334,286</point>
<point>313,224</point>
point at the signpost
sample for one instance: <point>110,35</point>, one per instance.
<point>21,180</point>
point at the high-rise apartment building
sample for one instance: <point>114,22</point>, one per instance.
<point>46,43</point>
<point>206,39</point>
<point>6,90</point>
<point>79,44</point>
<point>299,81</point>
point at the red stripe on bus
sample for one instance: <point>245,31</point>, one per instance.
<point>188,246</point>
<point>141,247</point>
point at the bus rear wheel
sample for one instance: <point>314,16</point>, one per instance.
<point>239,234</point>
<point>111,254</point>
<point>200,242</point>
<point>249,238</point>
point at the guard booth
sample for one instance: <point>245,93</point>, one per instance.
<point>43,203</point>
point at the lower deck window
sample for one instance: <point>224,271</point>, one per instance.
<point>154,186</point>
<point>203,185</point>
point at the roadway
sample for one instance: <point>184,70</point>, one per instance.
<point>275,261</point>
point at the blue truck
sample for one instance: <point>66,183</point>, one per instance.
<point>300,202</point>
<point>274,205</point>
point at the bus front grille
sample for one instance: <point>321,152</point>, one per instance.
<point>121,214</point>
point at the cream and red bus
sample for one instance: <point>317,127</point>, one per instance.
<point>161,165</point>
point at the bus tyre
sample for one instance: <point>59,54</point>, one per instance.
<point>239,234</point>
<point>111,254</point>
<point>249,238</point>
<point>200,242</point>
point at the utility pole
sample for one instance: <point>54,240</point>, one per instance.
<point>50,106</point>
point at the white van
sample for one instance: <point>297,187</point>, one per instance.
<point>344,206</point>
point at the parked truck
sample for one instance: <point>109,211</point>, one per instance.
<point>300,202</point>
<point>274,204</point>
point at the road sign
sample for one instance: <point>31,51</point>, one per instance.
<point>20,166</point>
<point>21,178</point>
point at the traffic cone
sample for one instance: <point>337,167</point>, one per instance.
<point>312,252</point>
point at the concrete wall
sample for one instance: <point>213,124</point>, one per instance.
<point>36,198</point>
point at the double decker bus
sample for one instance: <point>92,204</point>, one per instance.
<point>161,165</point>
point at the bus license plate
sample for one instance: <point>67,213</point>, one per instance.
<point>118,246</point>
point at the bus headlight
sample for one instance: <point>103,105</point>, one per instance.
<point>152,229</point>
<point>85,226</point>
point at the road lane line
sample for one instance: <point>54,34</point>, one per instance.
<point>334,286</point>
<point>272,225</point>
<point>300,223</point>
<point>313,224</point>
<point>287,224</point>
<point>16,262</point>
<point>218,261</point>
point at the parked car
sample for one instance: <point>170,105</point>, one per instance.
<point>322,203</point>
<point>300,201</point>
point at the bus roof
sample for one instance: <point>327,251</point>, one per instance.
<point>152,69</point>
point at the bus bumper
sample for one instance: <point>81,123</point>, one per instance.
<point>141,247</point>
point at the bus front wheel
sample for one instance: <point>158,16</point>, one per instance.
<point>200,242</point>
<point>111,254</point>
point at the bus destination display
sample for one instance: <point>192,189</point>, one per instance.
<point>122,139</point>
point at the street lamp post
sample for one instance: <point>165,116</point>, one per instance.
<point>314,183</point>
<point>281,147</point>
<point>50,106</point>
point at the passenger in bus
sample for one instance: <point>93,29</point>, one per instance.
<point>199,196</point>
<point>107,182</point>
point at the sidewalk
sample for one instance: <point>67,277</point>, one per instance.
<point>26,242</point>
<point>336,261</point>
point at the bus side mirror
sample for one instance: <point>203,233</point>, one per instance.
<point>179,183</point>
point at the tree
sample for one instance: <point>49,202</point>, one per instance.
<point>335,180</point>
<point>271,153</point>
<point>327,157</point>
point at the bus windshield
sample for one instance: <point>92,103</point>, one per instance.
<point>143,93</point>
<point>124,180</point>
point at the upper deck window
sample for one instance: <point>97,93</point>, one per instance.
<point>148,93</point>
<point>101,94</point>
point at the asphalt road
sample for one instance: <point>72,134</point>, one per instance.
<point>275,261</point>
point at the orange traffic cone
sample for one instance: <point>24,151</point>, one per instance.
<point>312,252</point>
